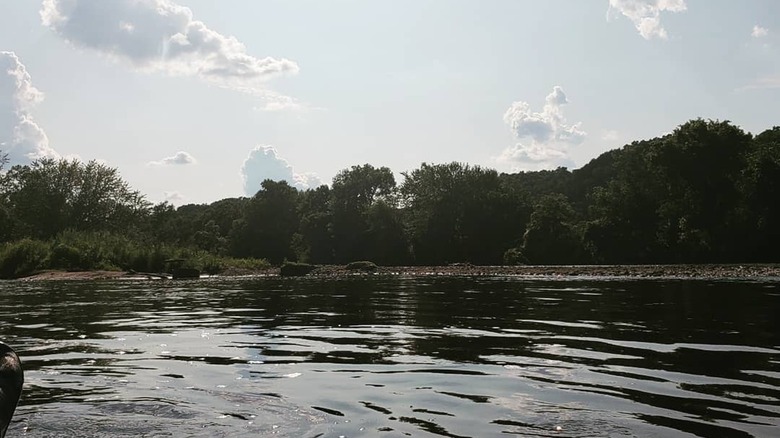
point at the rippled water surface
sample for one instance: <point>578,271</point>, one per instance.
<point>395,357</point>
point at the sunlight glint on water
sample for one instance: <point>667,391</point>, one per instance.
<point>374,356</point>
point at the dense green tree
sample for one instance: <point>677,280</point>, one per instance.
<point>623,212</point>
<point>269,224</point>
<point>385,237</point>
<point>542,182</point>
<point>160,223</point>
<point>210,238</point>
<point>552,236</point>
<point>460,213</point>
<point>760,188</point>
<point>50,196</point>
<point>673,199</point>
<point>224,213</point>
<point>207,227</point>
<point>316,215</point>
<point>707,192</point>
<point>353,192</point>
<point>358,187</point>
<point>701,163</point>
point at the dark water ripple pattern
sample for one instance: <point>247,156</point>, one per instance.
<point>396,357</point>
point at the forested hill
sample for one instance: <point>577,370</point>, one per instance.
<point>708,192</point>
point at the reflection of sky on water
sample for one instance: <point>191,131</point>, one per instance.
<point>427,357</point>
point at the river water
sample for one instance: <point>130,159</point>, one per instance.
<point>396,357</point>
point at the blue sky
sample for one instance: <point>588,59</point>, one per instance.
<point>198,100</point>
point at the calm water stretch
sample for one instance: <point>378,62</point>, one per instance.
<point>396,357</point>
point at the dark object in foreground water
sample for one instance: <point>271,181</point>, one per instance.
<point>11,380</point>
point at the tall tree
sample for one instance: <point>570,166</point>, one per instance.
<point>552,236</point>
<point>385,238</point>
<point>624,212</point>
<point>315,230</point>
<point>269,224</point>
<point>354,191</point>
<point>457,213</point>
<point>701,163</point>
<point>50,196</point>
<point>673,199</point>
<point>760,189</point>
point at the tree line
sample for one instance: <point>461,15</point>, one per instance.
<point>707,192</point>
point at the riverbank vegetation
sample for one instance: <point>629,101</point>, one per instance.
<point>706,193</point>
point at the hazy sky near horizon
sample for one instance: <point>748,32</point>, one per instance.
<point>198,100</point>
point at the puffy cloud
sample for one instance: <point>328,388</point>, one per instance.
<point>159,35</point>
<point>759,32</point>
<point>646,14</point>
<point>264,163</point>
<point>548,131</point>
<point>546,126</point>
<point>179,159</point>
<point>20,136</point>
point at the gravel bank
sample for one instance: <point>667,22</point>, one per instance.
<point>743,271</point>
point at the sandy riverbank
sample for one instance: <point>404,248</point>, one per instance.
<point>743,271</point>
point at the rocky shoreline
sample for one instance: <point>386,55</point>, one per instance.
<point>731,271</point>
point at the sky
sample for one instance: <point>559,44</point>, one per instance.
<point>199,100</point>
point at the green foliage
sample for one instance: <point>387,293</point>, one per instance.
<point>22,258</point>
<point>358,229</point>
<point>268,225</point>
<point>357,188</point>
<point>759,189</point>
<point>514,257</point>
<point>684,197</point>
<point>249,265</point>
<point>66,257</point>
<point>50,196</point>
<point>707,192</point>
<point>461,213</point>
<point>315,244</point>
<point>552,236</point>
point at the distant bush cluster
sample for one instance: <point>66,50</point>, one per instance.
<point>81,251</point>
<point>707,192</point>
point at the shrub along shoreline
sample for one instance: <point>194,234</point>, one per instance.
<point>105,252</point>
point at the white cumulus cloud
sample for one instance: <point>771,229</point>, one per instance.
<point>181,158</point>
<point>545,126</point>
<point>646,14</point>
<point>759,32</point>
<point>543,137</point>
<point>264,163</point>
<point>20,136</point>
<point>159,35</point>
